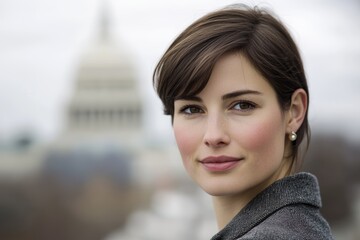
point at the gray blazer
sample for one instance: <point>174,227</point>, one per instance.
<point>288,209</point>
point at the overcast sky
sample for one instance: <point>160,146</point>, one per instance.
<point>41,42</point>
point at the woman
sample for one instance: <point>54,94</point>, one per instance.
<point>234,85</point>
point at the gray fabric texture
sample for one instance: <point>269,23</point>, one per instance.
<point>288,209</point>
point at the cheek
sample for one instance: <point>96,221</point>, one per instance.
<point>264,135</point>
<point>186,141</point>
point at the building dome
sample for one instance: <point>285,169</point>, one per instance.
<point>106,65</point>
<point>106,100</point>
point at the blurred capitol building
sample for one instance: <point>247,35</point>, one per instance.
<point>104,120</point>
<point>104,115</point>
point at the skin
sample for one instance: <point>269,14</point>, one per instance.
<point>236,115</point>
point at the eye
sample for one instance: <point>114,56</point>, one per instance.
<point>191,109</point>
<point>244,106</point>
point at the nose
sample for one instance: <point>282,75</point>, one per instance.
<point>216,134</point>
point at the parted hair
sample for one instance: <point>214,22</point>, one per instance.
<point>257,34</point>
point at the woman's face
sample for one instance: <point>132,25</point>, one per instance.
<point>231,135</point>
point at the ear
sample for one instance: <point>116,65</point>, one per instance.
<point>297,110</point>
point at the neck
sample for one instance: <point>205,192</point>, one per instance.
<point>226,208</point>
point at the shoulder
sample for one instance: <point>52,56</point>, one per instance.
<point>293,222</point>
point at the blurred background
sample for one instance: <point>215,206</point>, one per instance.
<point>85,152</point>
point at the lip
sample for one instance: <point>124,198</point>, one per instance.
<point>220,163</point>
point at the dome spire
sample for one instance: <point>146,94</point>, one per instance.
<point>104,22</point>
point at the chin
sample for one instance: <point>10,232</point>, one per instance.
<point>218,191</point>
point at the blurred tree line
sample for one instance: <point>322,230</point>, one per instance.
<point>73,196</point>
<point>336,163</point>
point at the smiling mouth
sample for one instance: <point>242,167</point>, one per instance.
<point>220,163</point>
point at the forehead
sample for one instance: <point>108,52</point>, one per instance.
<point>234,72</point>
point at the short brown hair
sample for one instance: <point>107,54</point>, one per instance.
<point>186,66</point>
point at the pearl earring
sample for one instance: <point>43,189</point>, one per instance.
<point>292,136</point>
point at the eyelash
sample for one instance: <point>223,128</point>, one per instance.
<point>186,107</point>
<point>250,106</point>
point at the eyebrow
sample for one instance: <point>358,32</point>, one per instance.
<point>225,97</point>
<point>239,93</point>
